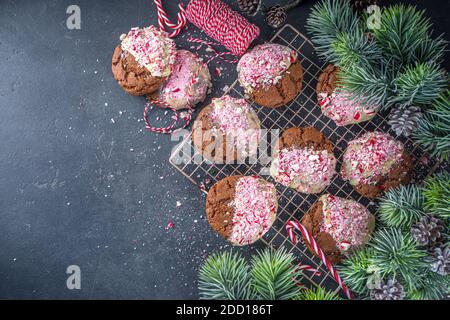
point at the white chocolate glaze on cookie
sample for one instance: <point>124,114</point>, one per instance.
<point>151,48</point>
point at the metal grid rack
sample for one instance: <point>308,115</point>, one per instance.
<point>303,111</point>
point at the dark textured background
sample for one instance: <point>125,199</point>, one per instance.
<point>81,182</point>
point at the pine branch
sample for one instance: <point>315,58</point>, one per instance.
<point>326,21</point>
<point>437,194</point>
<point>371,85</point>
<point>225,276</point>
<point>431,50</point>
<point>355,48</point>
<point>403,29</point>
<point>317,294</point>
<point>402,207</point>
<point>396,253</point>
<point>433,133</point>
<point>356,270</point>
<point>274,275</point>
<point>420,84</point>
<point>430,286</point>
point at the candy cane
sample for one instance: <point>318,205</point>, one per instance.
<point>163,19</point>
<point>290,226</point>
<point>309,268</point>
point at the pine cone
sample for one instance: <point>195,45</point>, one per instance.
<point>361,5</point>
<point>428,231</point>
<point>404,120</point>
<point>250,7</point>
<point>440,261</point>
<point>388,290</point>
<point>276,16</point>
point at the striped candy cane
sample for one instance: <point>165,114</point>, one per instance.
<point>294,225</point>
<point>163,19</point>
<point>309,268</point>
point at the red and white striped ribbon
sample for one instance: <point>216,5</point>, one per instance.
<point>163,19</point>
<point>294,225</point>
<point>223,24</point>
<point>187,118</point>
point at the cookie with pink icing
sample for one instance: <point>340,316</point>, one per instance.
<point>340,226</point>
<point>241,208</point>
<point>337,104</point>
<point>271,74</point>
<point>143,60</point>
<point>375,162</point>
<point>304,160</point>
<point>226,130</point>
<point>187,85</point>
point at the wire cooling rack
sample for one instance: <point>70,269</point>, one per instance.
<point>302,112</point>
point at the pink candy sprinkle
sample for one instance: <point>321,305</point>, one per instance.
<point>309,168</point>
<point>343,110</point>
<point>255,207</point>
<point>346,221</point>
<point>151,48</point>
<point>170,225</point>
<point>264,65</point>
<point>370,156</point>
<point>232,118</point>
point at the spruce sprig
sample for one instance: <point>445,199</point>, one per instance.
<point>356,270</point>
<point>437,194</point>
<point>431,50</point>
<point>273,275</point>
<point>433,133</point>
<point>396,253</point>
<point>228,276</point>
<point>402,207</point>
<point>327,20</point>
<point>429,286</point>
<point>369,84</point>
<point>355,48</point>
<point>419,84</point>
<point>225,276</point>
<point>403,29</point>
<point>317,293</point>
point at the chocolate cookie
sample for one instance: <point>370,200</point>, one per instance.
<point>376,162</point>
<point>303,160</point>
<point>143,60</point>
<point>226,130</point>
<point>241,208</point>
<point>271,74</point>
<point>338,104</point>
<point>328,80</point>
<point>339,226</point>
<point>187,85</point>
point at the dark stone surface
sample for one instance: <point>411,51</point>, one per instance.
<point>81,182</point>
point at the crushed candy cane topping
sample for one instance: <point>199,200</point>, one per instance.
<point>236,118</point>
<point>255,207</point>
<point>189,82</point>
<point>151,48</point>
<point>370,156</point>
<point>264,65</point>
<point>305,169</point>
<point>347,221</point>
<point>344,111</point>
